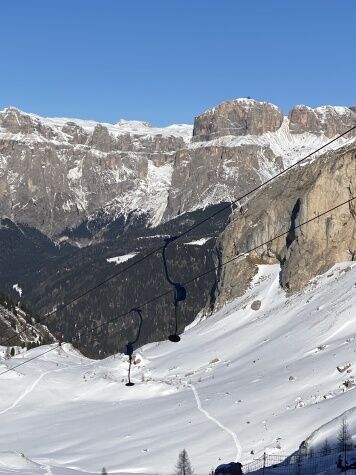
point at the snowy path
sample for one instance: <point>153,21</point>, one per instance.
<point>211,418</point>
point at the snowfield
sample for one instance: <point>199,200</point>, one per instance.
<point>120,259</point>
<point>240,380</point>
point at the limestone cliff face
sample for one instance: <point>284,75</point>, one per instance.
<point>237,117</point>
<point>300,195</point>
<point>327,120</point>
<point>241,143</point>
<point>54,173</point>
<point>211,174</point>
<point>61,175</point>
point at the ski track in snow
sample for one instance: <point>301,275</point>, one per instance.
<point>224,428</point>
<point>30,389</point>
<point>25,393</point>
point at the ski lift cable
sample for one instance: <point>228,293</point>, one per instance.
<point>59,308</point>
<point>190,281</point>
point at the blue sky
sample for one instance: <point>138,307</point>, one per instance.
<point>166,61</point>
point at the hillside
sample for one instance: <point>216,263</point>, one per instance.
<point>18,327</point>
<point>240,380</point>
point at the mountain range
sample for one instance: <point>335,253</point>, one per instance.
<point>267,352</point>
<point>80,199</point>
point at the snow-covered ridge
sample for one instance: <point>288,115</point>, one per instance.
<point>133,127</point>
<point>290,147</point>
<point>263,379</point>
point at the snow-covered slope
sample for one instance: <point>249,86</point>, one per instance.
<point>238,381</point>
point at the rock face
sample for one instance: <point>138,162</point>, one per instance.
<point>217,173</point>
<point>19,328</point>
<point>303,253</point>
<point>54,173</point>
<point>327,120</point>
<point>240,144</point>
<point>238,117</point>
<point>58,175</point>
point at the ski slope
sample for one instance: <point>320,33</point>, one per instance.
<point>239,381</point>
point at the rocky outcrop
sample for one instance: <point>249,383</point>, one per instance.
<point>237,117</point>
<point>213,174</point>
<point>300,195</point>
<point>327,120</point>
<point>19,328</point>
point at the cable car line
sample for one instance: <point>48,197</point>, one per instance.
<point>188,282</point>
<point>178,236</point>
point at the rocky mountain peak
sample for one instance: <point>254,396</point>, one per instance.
<point>14,121</point>
<point>237,117</point>
<point>327,120</point>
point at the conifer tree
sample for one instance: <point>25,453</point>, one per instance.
<point>183,466</point>
<point>344,442</point>
<point>326,449</point>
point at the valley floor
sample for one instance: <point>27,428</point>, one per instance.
<point>241,380</point>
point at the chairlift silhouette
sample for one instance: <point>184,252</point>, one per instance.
<point>180,292</point>
<point>130,344</point>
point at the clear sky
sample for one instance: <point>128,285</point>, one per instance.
<point>166,61</point>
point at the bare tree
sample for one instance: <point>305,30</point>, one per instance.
<point>344,441</point>
<point>183,466</point>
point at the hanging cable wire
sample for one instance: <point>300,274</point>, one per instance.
<point>190,281</point>
<point>178,236</point>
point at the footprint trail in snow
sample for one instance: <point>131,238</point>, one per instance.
<point>224,428</point>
